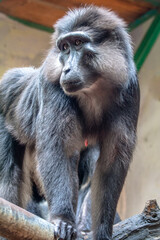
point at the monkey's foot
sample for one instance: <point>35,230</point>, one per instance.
<point>63,230</point>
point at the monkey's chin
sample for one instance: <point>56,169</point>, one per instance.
<point>71,89</point>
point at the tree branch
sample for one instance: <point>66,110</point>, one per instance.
<point>142,226</point>
<point>16,224</point>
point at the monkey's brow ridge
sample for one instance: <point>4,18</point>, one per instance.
<point>73,35</point>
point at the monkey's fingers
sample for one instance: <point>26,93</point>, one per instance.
<point>64,230</point>
<point>71,233</point>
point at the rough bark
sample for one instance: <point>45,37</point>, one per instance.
<point>142,226</point>
<point>16,223</point>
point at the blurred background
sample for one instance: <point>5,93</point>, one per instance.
<point>25,36</point>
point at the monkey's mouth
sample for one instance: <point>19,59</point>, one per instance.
<point>72,86</point>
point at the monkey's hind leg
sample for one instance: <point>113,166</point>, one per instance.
<point>11,159</point>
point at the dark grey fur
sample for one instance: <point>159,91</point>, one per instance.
<point>89,91</point>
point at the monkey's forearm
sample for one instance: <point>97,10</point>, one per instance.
<point>58,189</point>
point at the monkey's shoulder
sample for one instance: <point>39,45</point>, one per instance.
<point>13,83</point>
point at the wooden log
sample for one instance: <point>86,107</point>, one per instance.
<point>142,226</point>
<point>16,223</point>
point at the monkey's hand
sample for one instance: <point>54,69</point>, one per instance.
<point>63,230</point>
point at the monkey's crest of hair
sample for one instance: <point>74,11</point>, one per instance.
<point>96,19</point>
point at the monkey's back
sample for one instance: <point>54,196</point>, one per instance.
<point>18,97</point>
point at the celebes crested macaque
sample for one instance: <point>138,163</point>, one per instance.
<point>84,96</point>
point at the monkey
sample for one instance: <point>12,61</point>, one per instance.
<point>85,95</point>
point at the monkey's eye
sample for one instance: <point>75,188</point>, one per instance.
<point>78,42</point>
<point>65,46</point>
